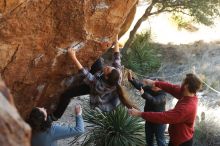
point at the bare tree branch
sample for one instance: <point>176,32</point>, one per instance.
<point>178,7</point>
<point>139,22</point>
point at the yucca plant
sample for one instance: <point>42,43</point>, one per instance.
<point>142,56</point>
<point>114,128</point>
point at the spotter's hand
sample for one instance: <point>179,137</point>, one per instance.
<point>134,112</point>
<point>141,91</point>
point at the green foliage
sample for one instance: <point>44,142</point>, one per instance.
<point>180,21</point>
<point>114,128</point>
<point>201,11</point>
<point>204,11</point>
<point>141,57</point>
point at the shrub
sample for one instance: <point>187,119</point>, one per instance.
<point>183,22</point>
<point>114,128</point>
<point>142,56</point>
<point>207,129</point>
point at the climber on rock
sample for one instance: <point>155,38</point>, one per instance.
<point>182,117</point>
<point>155,101</point>
<point>103,86</point>
<point>44,133</point>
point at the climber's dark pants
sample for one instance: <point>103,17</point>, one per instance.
<point>75,91</point>
<point>65,98</point>
<point>187,143</point>
<point>97,66</point>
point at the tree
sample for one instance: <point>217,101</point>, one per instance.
<point>202,11</point>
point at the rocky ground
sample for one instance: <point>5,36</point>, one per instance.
<point>177,60</point>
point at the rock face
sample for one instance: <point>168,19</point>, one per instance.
<point>14,131</point>
<point>34,35</point>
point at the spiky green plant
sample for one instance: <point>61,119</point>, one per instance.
<point>142,55</point>
<point>114,128</point>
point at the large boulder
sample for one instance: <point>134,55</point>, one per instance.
<point>14,131</point>
<point>34,36</point>
<point>126,25</point>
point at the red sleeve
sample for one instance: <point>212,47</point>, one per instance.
<point>174,90</point>
<point>174,116</point>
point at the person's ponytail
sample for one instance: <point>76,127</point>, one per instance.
<point>113,80</point>
<point>123,96</point>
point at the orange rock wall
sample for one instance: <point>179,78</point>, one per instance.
<point>34,35</point>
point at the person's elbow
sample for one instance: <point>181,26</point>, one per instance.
<point>80,130</point>
<point>176,119</point>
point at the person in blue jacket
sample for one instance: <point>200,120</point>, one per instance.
<point>44,133</point>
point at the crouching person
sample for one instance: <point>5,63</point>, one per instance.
<point>182,117</point>
<point>44,133</point>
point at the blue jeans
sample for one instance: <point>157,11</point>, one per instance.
<point>157,130</point>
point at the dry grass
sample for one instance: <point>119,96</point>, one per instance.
<point>207,130</point>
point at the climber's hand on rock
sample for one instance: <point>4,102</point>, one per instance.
<point>106,44</point>
<point>116,39</point>
<point>72,53</point>
<point>116,43</point>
